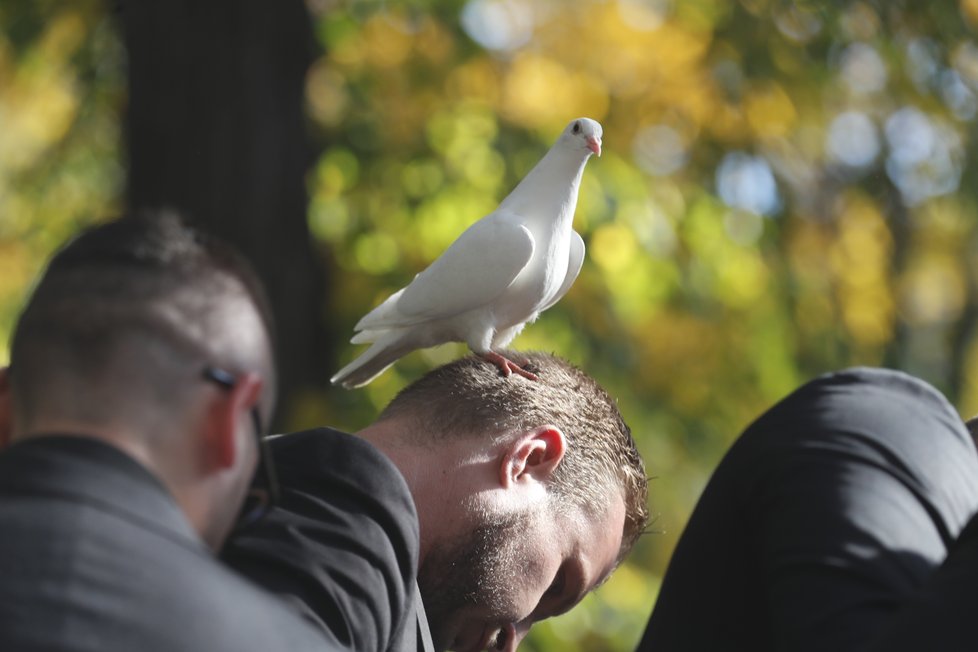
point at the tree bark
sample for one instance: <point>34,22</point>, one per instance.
<point>215,129</point>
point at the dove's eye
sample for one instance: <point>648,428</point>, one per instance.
<point>577,128</point>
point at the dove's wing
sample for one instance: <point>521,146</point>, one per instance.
<point>473,271</point>
<point>574,263</point>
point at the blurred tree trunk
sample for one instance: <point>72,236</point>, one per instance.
<point>215,128</point>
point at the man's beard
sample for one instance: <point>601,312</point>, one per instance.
<point>477,571</point>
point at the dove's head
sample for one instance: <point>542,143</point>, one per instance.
<point>583,134</point>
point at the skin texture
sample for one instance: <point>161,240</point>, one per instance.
<point>497,554</point>
<point>113,344</point>
<point>208,475</point>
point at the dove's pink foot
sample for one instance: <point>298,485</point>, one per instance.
<point>507,366</point>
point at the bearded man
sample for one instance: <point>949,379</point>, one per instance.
<point>507,499</point>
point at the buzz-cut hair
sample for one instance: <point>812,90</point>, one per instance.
<point>469,397</point>
<point>138,304</point>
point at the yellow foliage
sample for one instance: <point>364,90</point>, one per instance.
<point>860,261</point>
<point>476,80</point>
<point>329,218</point>
<point>422,177</point>
<point>969,393</point>
<point>349,53</point>
<point>861,21</point>
<point>439,220</point>
<point>814,312</point>
<point>943,223</point>
<point>641,16</point>
<point>613,247</point>
<point>868,314</point>
<point>641,287</point>
<point>702,228</point>
<point>651,226</point>
<point>482,167</point>
<point>64,34</point>
<point>386,40</point>
<point>335,173</point>
<point>453,131</point>
<point>673,340</point>
<point>39,103</point>
<point>808,250</point>
<point>326,94</point>
<point>643,58</point>
<point>932,289</point>
<point>757,7</point>
<point>539,91</point>
<point>694,315</point>
<point>554,333</point>
<point>433,42</point>
<point>769,111</point>
<point>628,587</point>
<point>376,252</point>
<point>969,9</point>
<point>743,227</point>
<point>16,270</point>
<point>742,277</point>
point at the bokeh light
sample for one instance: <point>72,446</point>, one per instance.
<point>784,190</point>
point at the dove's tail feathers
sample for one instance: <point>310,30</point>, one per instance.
<point>374,361</point>
<point>367,337</point>
<point>383,315</point>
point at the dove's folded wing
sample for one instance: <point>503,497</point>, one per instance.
<point>473,271</point>
<point>574,263</point>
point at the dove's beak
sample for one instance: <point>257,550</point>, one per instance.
<point>594,144</point>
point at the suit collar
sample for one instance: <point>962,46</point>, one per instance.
<point>89,471</point>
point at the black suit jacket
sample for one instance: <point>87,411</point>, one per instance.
<point>823,519</point>
<point>343,544</point>
<point>941,616</point>
<point>95,556</point>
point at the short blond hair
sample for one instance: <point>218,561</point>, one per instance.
<point>469,396</point>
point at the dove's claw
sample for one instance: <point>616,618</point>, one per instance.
<point>507,366</point>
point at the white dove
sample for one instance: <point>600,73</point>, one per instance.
<point>501,273</point>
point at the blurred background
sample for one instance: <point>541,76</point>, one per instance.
<point>787,188</point>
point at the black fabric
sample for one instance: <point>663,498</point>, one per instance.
<point>941,616</point>
<point>96,556</point>
<point>826,515</point>
<point>343,544</point>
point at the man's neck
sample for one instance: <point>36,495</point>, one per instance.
<point>443,476</point>
<point>134,446</point>
<point>111,435</point>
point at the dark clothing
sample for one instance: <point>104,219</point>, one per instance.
<point>95,556</point>
<point>941,616</point>
<point>343,544</point>
<point>822,519</point>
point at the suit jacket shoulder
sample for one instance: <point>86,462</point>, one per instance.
<point>823,518</point>
<point>343,544</point>
<point>95,555</point>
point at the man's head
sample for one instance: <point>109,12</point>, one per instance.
<point>529,493</point>
<point>114,344</point>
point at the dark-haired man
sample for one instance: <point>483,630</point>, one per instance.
<point>141,374</point>
<point>527,494</point>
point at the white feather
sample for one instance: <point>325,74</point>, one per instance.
<point>497,276</point>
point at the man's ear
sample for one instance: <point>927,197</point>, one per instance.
<point>533,456</point>
<point>227,413</point>
<point>6,409</point>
